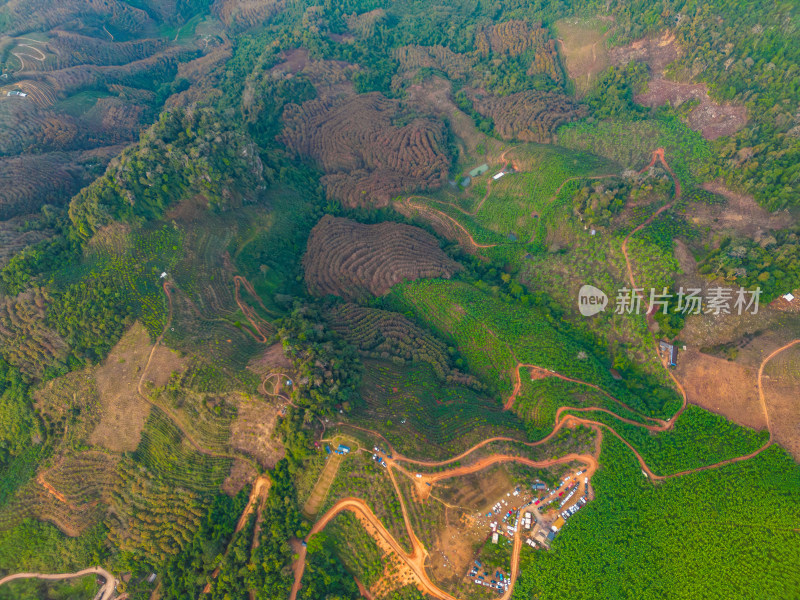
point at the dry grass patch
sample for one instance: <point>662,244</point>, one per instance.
<point>123,411</point>
<point>721,386</point>
<point>252,432</point>
<point>583,43</point>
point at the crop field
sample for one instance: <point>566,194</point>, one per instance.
<point>327,476</point>
<point>529,116</point>
<point>72,494</point>
<point>362,477</point>
<point>367,159</point>
<point>698,438</point>
<point>246,13</point>
<point>383,334</point>
<point>27,342</point>
<point>357,550</point>
<point>510,210</point>
<point>88,86</point>
<point>13,239</point>
<point>352,260</point>
<point>567,256</point>
<point>539,400</point>
<point>441,58</point>
<point>151,518</point>
<point>523,195</point>
<point>29,182</point>
<point>205,313</point>
<point>166,452</point>
<point>459,311</point>
<point>421,416</point>
<point>207,417</point>
<point>134,263</point>
<point>699,523</point>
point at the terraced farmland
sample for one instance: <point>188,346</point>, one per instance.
<point>352,260</point>
<point>457,66</point>
<point>246,13</point>
<point>25,340</point>
<point>494,336</point>
<point>367,159</point>
<point>28,182</point>
<point>529,116</point>
<point>384,334</point>
<point>90,70</point>
<point>72,494</point>
<point>498,214</point>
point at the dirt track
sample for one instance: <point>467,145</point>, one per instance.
<point>107,590</point>
<point>238,282</point>
<point>258,495</point>
<point>415,560</point>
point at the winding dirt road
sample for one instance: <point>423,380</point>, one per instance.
<point>107,591</point>
<point>251,315</point>
<point>415,560</point>
<point>564,417</point>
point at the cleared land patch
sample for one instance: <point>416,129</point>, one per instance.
<point>584,47</point>
<point>712,120</point>
<point>724,387</point>
<point>253,430</point>
<point>782,396</point>
<point>123,411</point>
<point>709,118</point>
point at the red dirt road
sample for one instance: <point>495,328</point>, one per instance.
<point>562,419</point>
<point>416,559</point>
<point>255,321</point>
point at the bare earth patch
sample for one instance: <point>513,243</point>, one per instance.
<point>741,213</point>
<point>454,549</point>
<point>782,395</point>
<point>163,364</point>
<point>712,120</point>
<point>241,474</point>
<point>583,43</point>
<point>727,388</point>
<point>252,431</point>
<point>656,52</point>
<point>123,411</point>
<point>684,257</point>
<point>271,360</point>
